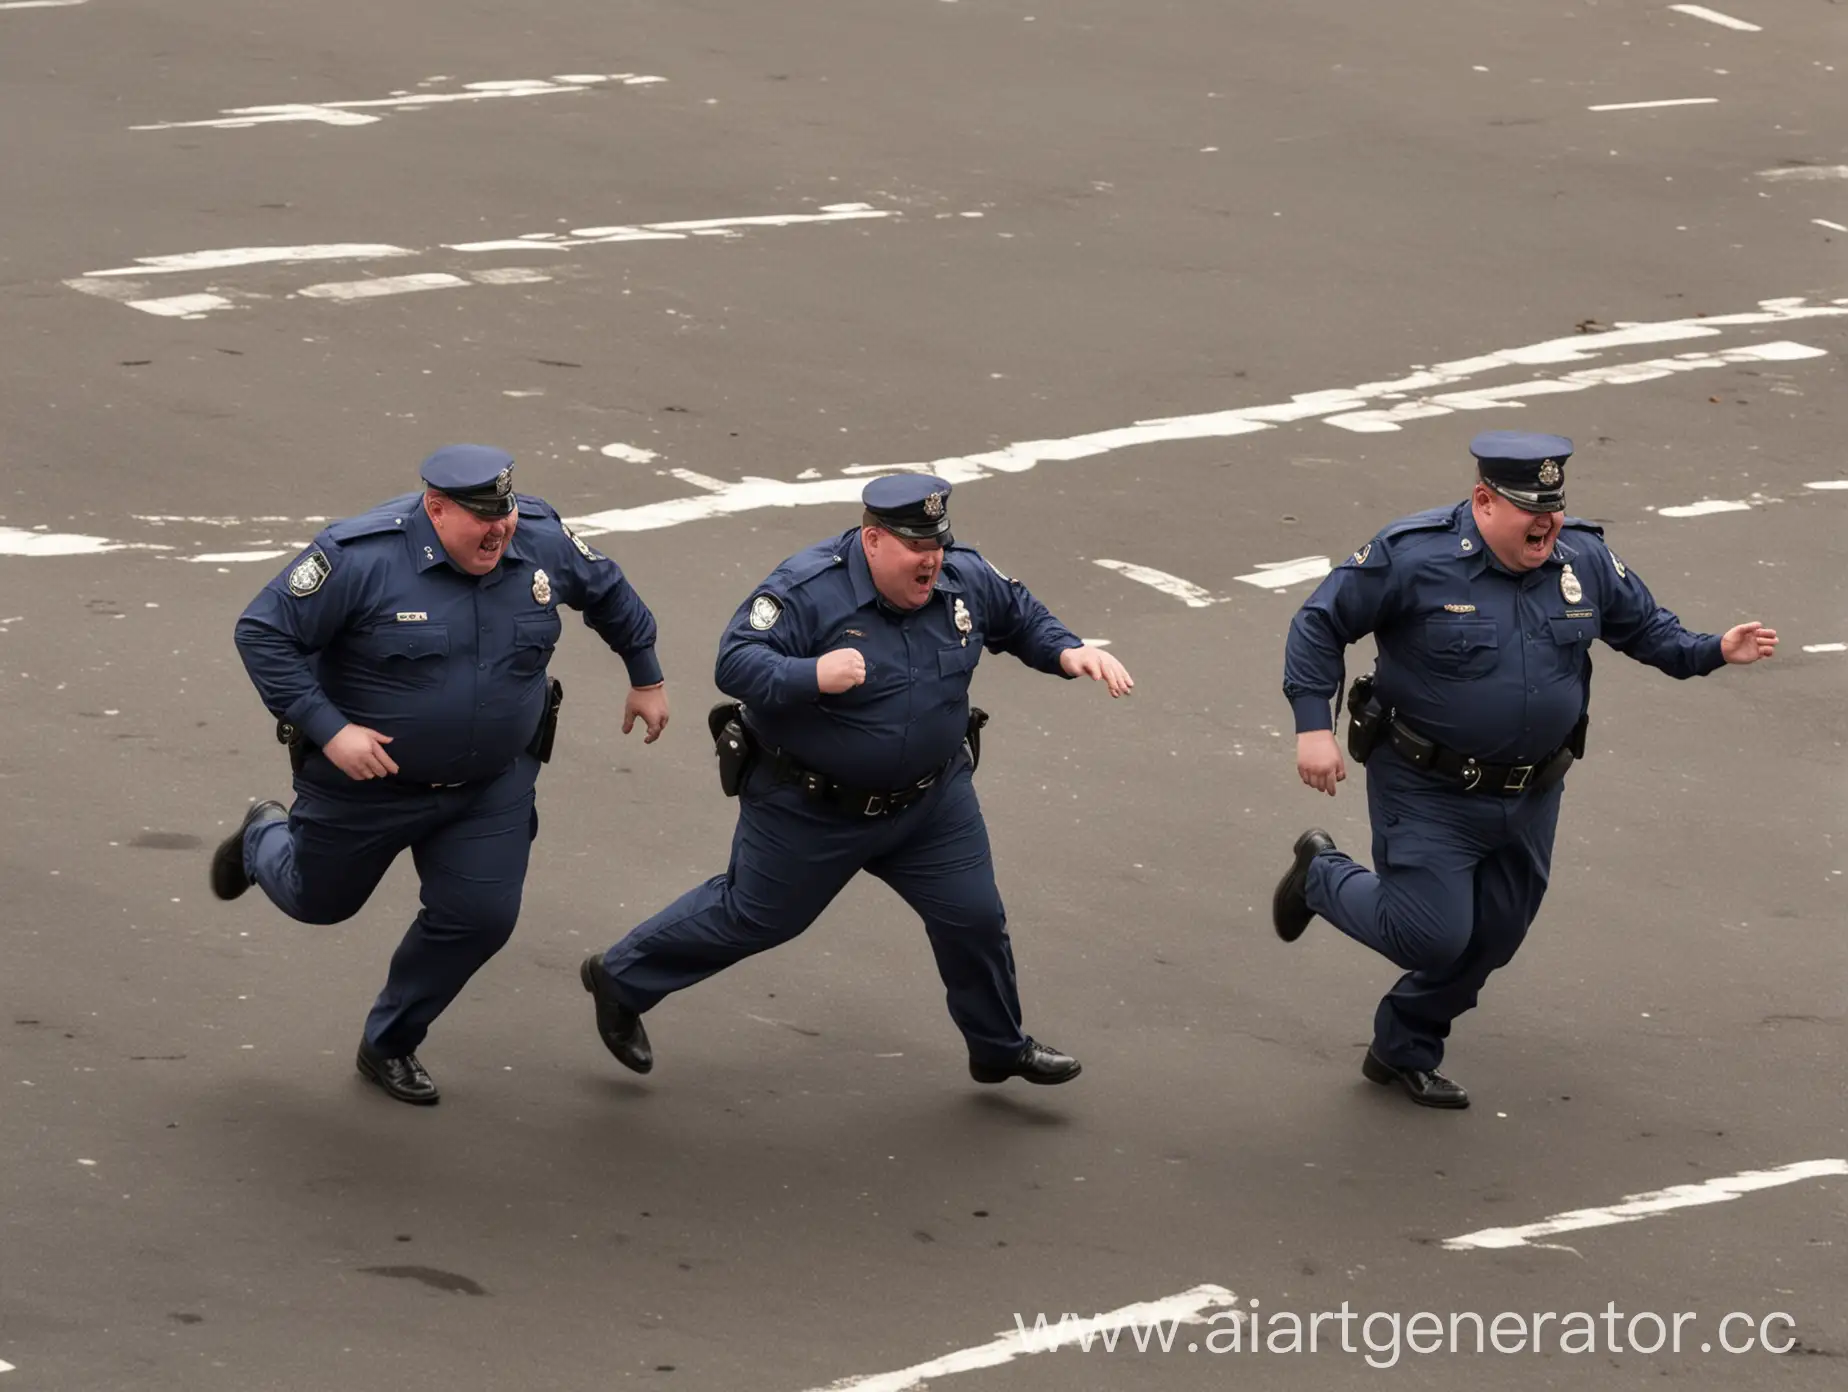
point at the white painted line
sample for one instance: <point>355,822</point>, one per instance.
<point>1715,17</point>
<point>1280,575</point>
<point>1705,508</point>
<point>226,557</point>
<point>629,453</point>
<point>386,285</point>
<point>510,275</point>
<point>1186,591</point>
<point>1646,105</point>
<point>8,1367</point>
<point>1806,172</point>
<point>1825,647</point>
<point>181,306</point>
<point>253,256</point>
<point>1499,398</point>
<point>352,113</point>
<point>40,5</point>
<point>1638,1206</point>
<point>753,494</point>
<point>15,542</point>
<point>1829,485</point>
<point>1832,226</point>
<point>1189,1307</point>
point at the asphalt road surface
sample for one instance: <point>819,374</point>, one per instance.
<point>1188,297</point>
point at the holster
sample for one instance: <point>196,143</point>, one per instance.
<point>977,719</point>
<point>733,745</point>
<point>297,742</point>
<point>1366,718</point>
<point>541,746</point>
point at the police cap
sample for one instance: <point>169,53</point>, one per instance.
<point>1527,469</point>
<point>478,477</point>
<point>915,506</point>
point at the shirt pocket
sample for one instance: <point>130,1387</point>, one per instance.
<point>956,667</point>
<point>1463,648</point>
<point>1575,631</point>
<point>406,656</point>
<point>535,638</point>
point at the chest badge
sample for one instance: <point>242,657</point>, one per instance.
<point>963,622</point>
<point>1569,586</point>
<point>542,587</point>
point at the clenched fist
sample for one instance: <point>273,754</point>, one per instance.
<point>840,670</point>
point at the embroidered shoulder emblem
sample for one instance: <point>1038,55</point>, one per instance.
<point>1360,556</point>
<point>765,611</point>
<point>310,575</point>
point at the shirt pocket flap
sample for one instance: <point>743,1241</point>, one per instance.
<point>1460,637</point>
<point>412,640</point>
<point>959,659</point>
<point>1574,629</point>
<point>537,630</point>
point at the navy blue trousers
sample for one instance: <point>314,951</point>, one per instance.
<point>791,856</point>
<point>470,846</point>
<point>1457,880</point>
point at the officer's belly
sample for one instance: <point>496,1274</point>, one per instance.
<point>881,745</point>
<point>1511,712</point>
<point>454,730</point>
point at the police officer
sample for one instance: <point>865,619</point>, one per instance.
<point>851,666</point>
<point>1483,614</point>
<point>406,651</point>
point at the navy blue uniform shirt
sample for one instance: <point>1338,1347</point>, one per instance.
<point>1489,663</point>
<point>907,718</point>
<point>373,625</point>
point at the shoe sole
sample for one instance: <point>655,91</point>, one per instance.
<point>590,985</point>
<point>1376,1072</point>
<point>986,1077</point>
<point>371,1074</point>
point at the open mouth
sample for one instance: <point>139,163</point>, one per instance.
<point>922,581</point>
<point>490,547</point>
<point>1539,537</point>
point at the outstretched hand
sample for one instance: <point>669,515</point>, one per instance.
<point>1098,665</point>
<point>1747,643</point>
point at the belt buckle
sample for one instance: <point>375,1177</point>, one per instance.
<point>875,805</point>
<point>1524,771</point>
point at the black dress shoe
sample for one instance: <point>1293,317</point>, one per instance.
<point>228,877</point>
<point>1426,1087</point>
<point>1036,1063</point>
<point>1290,912</point>
<point>404,1078</point>
<point>619,1027</point>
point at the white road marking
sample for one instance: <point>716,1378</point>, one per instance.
<point>1280,575</point>
<point>1832,226</point>
<point>1705,508</point>
<point>1499,398</point>
<point>1825,647</point>
<point>629,453</point>
<point>1715,17</point>
<point>1189,1307</point>
<point>41,5</point>
<point>1639,1206</point>
<point>8,1367</point>
<point>1186,591</point>
<point>223,557</point>
<point>15,542</point>
<point>107,284</point>
<point>1646,105</point>
<point>1806,172</point>
<point>352,113</point>
<point>1829,485</point>
<point>385,285</point>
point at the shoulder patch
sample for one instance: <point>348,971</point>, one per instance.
<point>766,609</point>
<point>310,574</point>
<point>588,552</point>
<point>1374,555</point>
<point>1617,561</point>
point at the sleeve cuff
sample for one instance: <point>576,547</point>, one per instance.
<point>644,667</point>
<point>1713,655</point>
<point>319,721</point>
<point>1312,713</point>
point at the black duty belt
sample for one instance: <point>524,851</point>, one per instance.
<point>861,802</point>
<point>1476,775</point>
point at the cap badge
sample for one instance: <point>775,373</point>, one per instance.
<point>1569,586</point>
<point>933,506</point>
<point>503,482</point>
<point>1549,473</point>
<point>542,587</point>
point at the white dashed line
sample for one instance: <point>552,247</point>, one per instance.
<point>1186,591</point>
<point>1829,485</point>
<point>1804,173</point>
<point>1715,17</point>
<point>1648,105</point>
<point>353,113</point>
<point>1280,575</point>
<point>1639,1206</point>
<point>385,285</point>
<point>1825,647</point>
<point>229,557</point>
<point>1832,226</point>
<point>1189,1307</point>
<point>40,5</point>
<point>1705,508</point>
